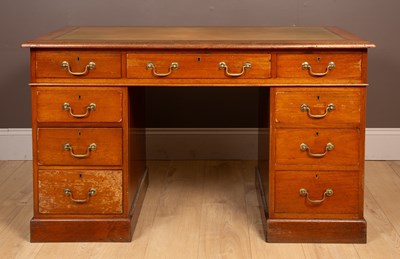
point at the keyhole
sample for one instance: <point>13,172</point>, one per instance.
<point>78,59</point>
<point>316,176</point>
<point>318,59</point>
<point>79,97</point>
<point>198,59</point>
<point>80,176</point>
<point>79,133</point>
<point>318,97</point>
<point>317,134</point>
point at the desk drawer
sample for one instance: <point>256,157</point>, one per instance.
<point>83,146</point>
<point>80,192</point>
<point>78,64</point>
<point>313,193</point>
<point>198,66</point>
<point>319,147</point>
<point>78,104</point>
<point>318,105</point>
<point>321,68</point>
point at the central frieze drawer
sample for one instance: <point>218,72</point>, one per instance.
<point>318,147</point>
<point>78,64</point>
<point>198,66</point>
<point>80,192</point>
<point>79,146</point>
<point>78,104</point>
<point>317,192</point>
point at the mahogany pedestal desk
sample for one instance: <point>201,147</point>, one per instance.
<point>89,164</point>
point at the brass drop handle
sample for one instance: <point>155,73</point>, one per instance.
<point>329,147</point>
<point>223,65</point>
<point>91,147</point>
<point>307,66</point>
<point>91,193</point>
<point>330,107</point>
<point>90,66</point>
<point>152,67</point>
<point>90,107</point>
<point>328,193</point>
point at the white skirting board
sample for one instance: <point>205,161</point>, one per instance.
<point>204,143</point>
<point>382,144</point>
<point>15,144</point>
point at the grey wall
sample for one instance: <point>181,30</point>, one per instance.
<point>377,21</point>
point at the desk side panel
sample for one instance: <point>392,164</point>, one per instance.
<point>137,177</point>
<point>262,172</point>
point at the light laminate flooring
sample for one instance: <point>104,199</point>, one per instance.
<point>201,209</point>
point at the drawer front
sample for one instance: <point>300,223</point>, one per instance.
<point>318,105</point>
<point>322,67</point>
<point>198,66</point>
<point>83,146</point>
<point>78,64</point>
<point>319,147</point>
<point>80,192</point>
<point>313,193</point>
<point>75,104</point>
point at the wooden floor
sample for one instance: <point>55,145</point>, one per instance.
<point>201,209</point>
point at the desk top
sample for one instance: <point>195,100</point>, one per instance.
<point>199,38</point>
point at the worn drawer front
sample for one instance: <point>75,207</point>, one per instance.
<point>327,192</point>
<point>73,146</point>
<point>74,104</point>
<point>80,192</point>
<point>84,64</point>
<point>347,67</point>
<point>198,66</point>
<point>318,105</point>
<point>327,147</point>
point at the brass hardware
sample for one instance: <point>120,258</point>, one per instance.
<point>91,193</point>
<point>307,66</point>
<point>88,67</point>
<point>328,193</point>
<point>223,65</point>
<point>173,66</point>
<point>305,147</point>
<point>330,107</point>
<point>91,147</point>
<point>90,107</point>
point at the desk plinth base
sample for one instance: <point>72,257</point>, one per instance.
<point>81,230</point>
<point>315,231</point>
<point>90,229</point>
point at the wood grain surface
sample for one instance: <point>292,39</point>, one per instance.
<point>381,212</point>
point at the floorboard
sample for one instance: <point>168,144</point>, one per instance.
<point>201,209</point>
